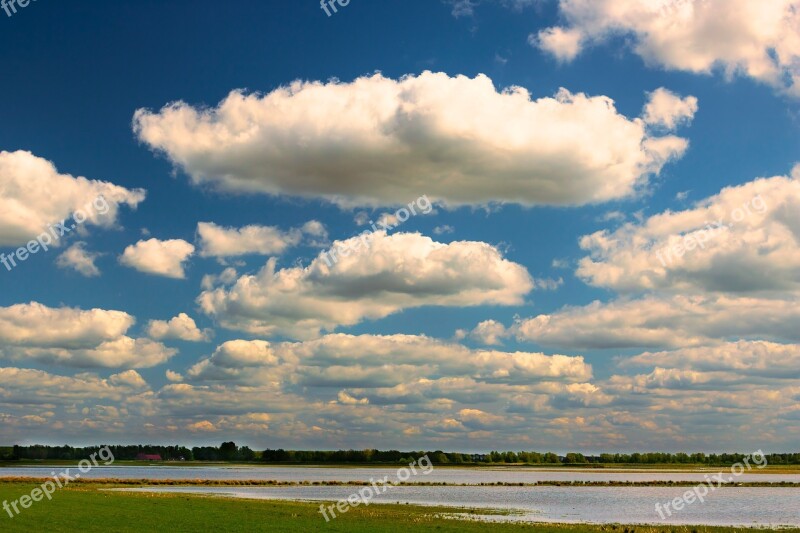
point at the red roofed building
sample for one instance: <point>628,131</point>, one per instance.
<point>146,457</point>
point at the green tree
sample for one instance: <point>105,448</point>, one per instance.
<point>228,451</point>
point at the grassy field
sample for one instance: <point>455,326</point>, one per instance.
<point>86,508</point>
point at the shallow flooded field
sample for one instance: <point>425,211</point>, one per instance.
<point>625,505</point>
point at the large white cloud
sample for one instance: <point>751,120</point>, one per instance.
<point>39,325</point>
<point>36,386</point>
<point>665,321</point>
<point>756,38</point>
<point>750,358</point>
<point>74,337</point>
<point>123,352</point>
<point>416,389</point>
<point>34,195</point>
<point>410,391</point>
<point>742,240</point>
<point>160,258</point>
<point>375,361</point>
<point>388,274</point>
<point>378,141</point>
<point>42,405</point>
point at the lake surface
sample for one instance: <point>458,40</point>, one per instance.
<point>627,505</point>
<point>447,475</point>
<point>731,506</point>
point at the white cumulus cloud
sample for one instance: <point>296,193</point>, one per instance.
<point>668,110</point>
<point>160,258</point>
<point>394,272</point>
<point>75,337</point>
<point>34,195</point>
<point>380,142</point>
<point>755,38</point>
<point>742,240</point>
<point>78,258</point>
<point>181,327</point>
<point>219,241</point>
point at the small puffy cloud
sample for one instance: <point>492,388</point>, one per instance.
<point>443,230</point>
<point>563,44</point>
<point>74,337</point>
<point>477,419</point>
<point>394,272</point>
<point>378,142</point>
<point>316,234</point>
<point>204,426</point>
<point>388,220</point>
<point>129,378</point>
<point>488,332</point>
<point>667,110</point>
<point>612,216</point>
<point>173,377</point>
<point>739,37</point>
<point>218,241</point>
<point>581,395</point>
<point>463,8</point>
<point>34,195</point>
<point>160,258</point>
<point>346,399</point>
<point>466,8</point>
<point>181,327</point>
<point>548,284</point>
<point>242,354</point>
<point>361,218</point>
<point>79,259</point>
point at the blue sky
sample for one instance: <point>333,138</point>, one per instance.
<point>542,207</point>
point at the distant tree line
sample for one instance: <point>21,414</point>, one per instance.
<point>496,457</point>
<point>229,451</point>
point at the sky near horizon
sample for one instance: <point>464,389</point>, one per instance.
<point>563,225</point>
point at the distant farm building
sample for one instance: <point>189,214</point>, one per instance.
<point>147,457</point>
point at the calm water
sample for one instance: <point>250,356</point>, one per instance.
<point>449,475</point>
<point>729,506</point>
<point>631,505</point>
